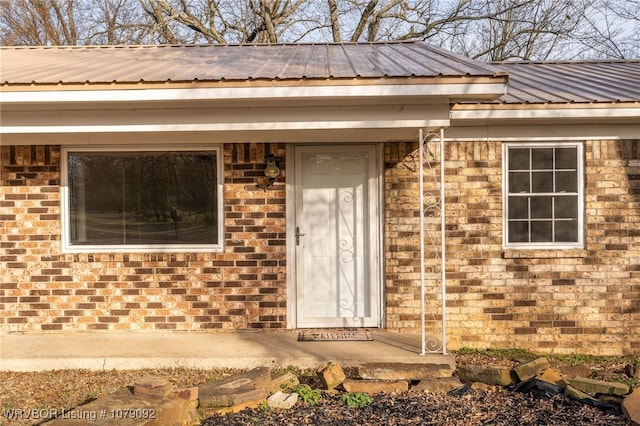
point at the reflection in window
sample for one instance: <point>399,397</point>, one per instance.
<point>144,198</point>
<point>543,195</point>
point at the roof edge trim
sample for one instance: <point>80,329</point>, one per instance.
<point>597,111</point>
<point>489,90</point>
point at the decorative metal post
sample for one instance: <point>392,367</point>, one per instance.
<point>422,265</point>
<point>443,246</point>
<point>436,202</point>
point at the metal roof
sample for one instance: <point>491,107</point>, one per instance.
<point>188,63</point>
<point>571,82</point>
<point>528,82</point>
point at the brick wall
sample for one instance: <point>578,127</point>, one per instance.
<point>42,289</point>
<point>563,301</point>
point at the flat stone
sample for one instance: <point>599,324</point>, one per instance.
<point>631,407</point>
<point>188,394</point>
<point>529,370</point>
<point>574,393</point>
<point>490,375</point>
<point>553,376</point>
<point>286,380</point>
<point>576,371</point>
<point>445,385</point>
<point>331,376</point>
<point>599,387</point>
<point>403,371</point>
<point>375,386</point>
<point>238,391</point>
<point>153,386</point>
<point>123,408</point>
<point>282,400</point>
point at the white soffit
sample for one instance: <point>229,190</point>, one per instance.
<point>296,123</point>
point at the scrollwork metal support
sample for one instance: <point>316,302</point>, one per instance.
<point>430,206</point>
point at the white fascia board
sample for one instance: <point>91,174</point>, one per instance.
<point>485,90</point>
<point>551,113</point>
<point>228,127</point>
<point>550,132</point>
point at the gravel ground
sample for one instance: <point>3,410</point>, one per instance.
<point>64,390</point>
<point>498,407</point>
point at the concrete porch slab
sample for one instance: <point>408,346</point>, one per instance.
<point>241,350</point>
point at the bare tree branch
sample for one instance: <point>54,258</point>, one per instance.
<point>481,29</point>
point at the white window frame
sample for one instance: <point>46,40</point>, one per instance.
<point>505,196</point>
<point>67,247</point>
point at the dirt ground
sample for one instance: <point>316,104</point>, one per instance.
<point>66,389</point>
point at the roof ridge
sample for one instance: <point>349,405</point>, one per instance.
<point>202,45</point>
<point>566,62</point>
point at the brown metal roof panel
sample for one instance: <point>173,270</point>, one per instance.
<point>317,66</point>
<point>460,64</point>
<point>252,62</point>
<point>361,61</point>
<point>584,82</point>
<point>239,62</point>
<point>278,63</point>
<point>572,82</point>
<point>411,60</point>
<point>339,64</point>
<point>385,62</point>
<point>545,88</point>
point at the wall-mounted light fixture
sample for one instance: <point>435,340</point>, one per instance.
<point>271,171</point>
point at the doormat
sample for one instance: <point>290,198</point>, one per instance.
<point>334,336</point>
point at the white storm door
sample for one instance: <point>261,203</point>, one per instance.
<point>336,236</point>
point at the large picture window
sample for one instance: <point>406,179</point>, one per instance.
<point>543,195</point>
<point>142,199</point>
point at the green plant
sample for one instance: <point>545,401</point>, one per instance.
<point>577,359</point>
<point>356,399</point>
<point>263,407</point>
<point>291,383</point>
<point>465,350</point>
<point>512,353</point>
<point>308,395</point>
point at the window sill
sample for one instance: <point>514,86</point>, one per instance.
<point>543,253</point>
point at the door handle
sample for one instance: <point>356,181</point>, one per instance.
<point>298,235</point>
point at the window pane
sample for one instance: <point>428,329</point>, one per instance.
<point>518,207</point>
<point>541,208</point>
<point>567,231</point>
<point>143,198</point>
<point>541,232</point>
<point>543,190</point>
<point>518,182</point>
<point>566,158</point>
<point>566,207</point>
<point>542,158</point>
<point>542,182</point>
<point>518,159</point>
<point>518,232</point>
<point>566,182</point>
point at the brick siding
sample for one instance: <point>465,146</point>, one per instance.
<point>42,289</point>
<point>562,301</point>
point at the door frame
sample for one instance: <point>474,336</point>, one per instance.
<point>376,269</point>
